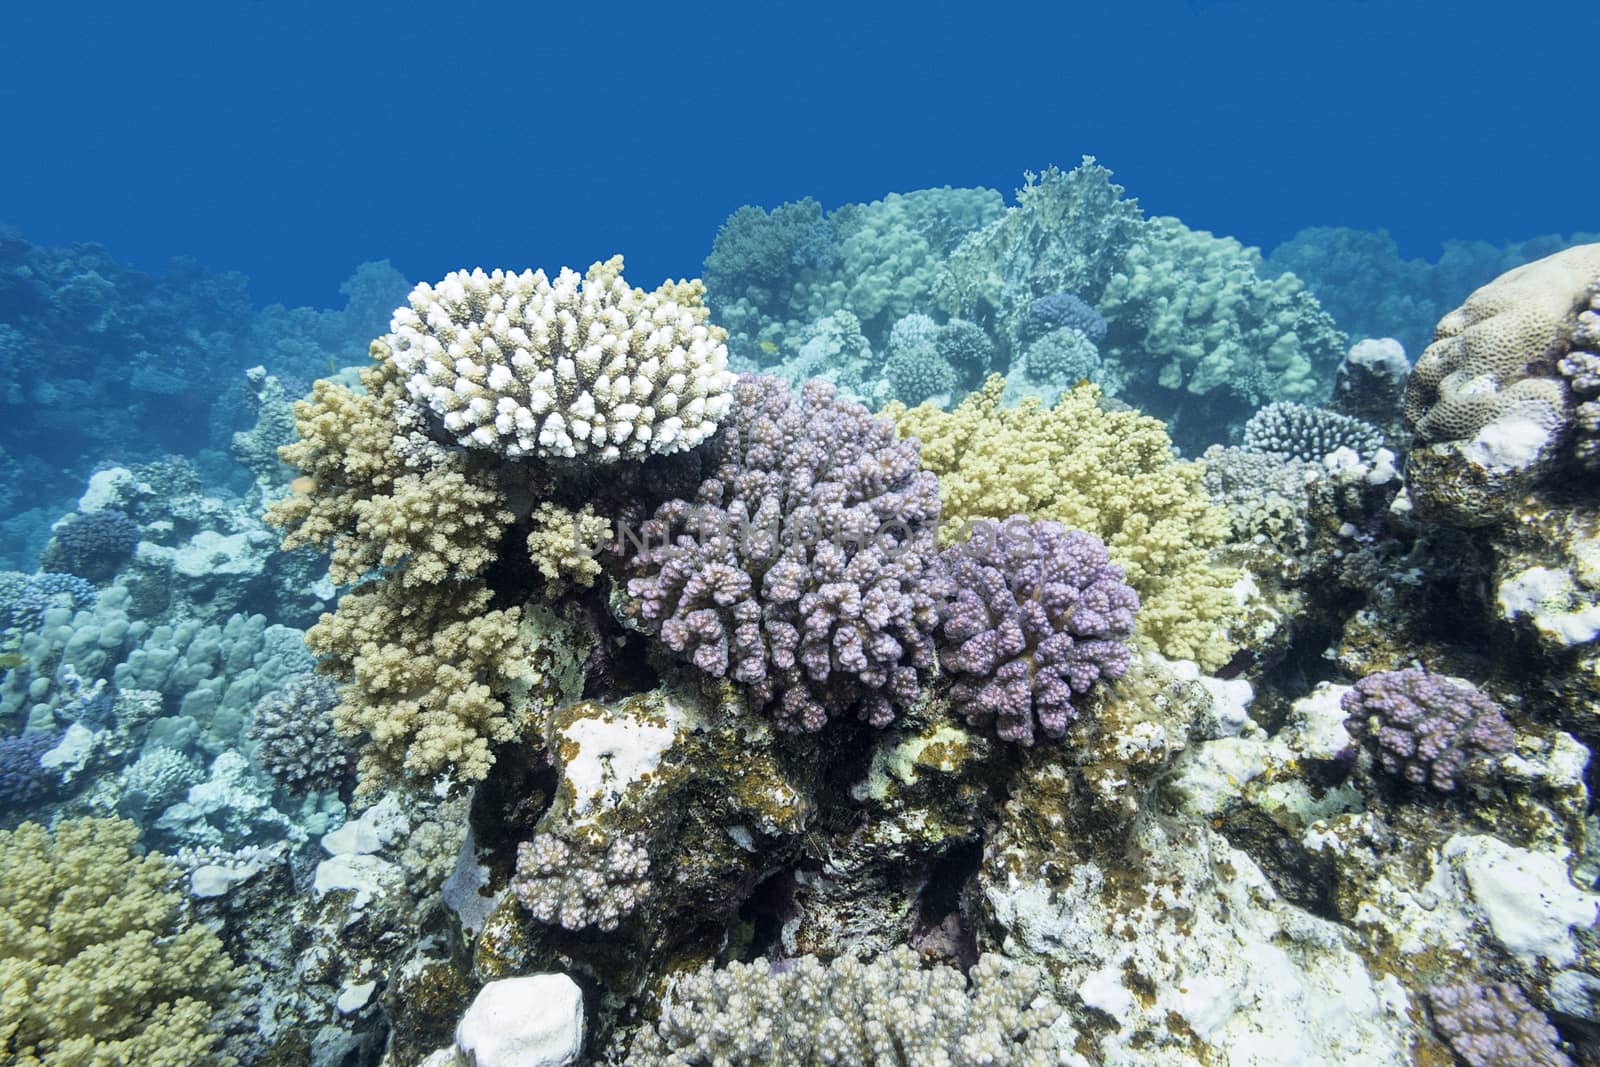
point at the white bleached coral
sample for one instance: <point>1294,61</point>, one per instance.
<point>582,366</point>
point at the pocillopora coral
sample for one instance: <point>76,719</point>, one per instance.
<point>97,967</point>
<point>1112,474</point>
<point>581,366</point>
<point>425,674</point>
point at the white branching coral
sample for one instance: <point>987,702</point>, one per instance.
<point>582,366</point>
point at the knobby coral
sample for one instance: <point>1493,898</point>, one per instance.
<point>97,966</point>
<point>1112,474</point>
<point>806,567</point>
<point>1423,727</point>
<point>1040,615</point>
<point>888,1012</point>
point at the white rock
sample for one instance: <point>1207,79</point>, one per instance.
<point>1526,897</point>
<point>533,1021</point>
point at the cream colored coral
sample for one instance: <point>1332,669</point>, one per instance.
<point>1497,353</point>
<point>1110,473</point>
<point>96,967</point>
<point>368,508</point>
<point>582,366</point>
<point>563,545</point>
<point>422,667</point>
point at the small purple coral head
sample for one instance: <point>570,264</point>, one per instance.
<point>1491,1025</point>
<point>1040,615</point>
<point>1424,727</point>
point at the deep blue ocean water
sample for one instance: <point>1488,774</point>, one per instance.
<point>292,140</point>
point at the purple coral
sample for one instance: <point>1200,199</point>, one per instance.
<point>1052,312</point>
<point>1424,727</point>
<point>805,568</point>
<point>1495,1026</point>
<point>93,544</point>
<point>22,779</point>
<point>1040,615</point>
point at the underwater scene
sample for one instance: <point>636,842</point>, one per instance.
<point>947,608</point>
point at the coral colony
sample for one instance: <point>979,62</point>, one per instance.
<point>955,632</point>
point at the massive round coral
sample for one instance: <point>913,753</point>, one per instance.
<point>806,567</point>
<point>584,366</point>
<point>1039,616</point>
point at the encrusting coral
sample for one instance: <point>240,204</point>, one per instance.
<point>1112,474</point>
<point>96,966</point>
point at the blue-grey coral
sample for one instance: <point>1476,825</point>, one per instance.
<point>761,251</point>
<point>1040,616</point>
<point>1425,728</point>
<point>24,597</point>
<point>295,739</point>
<point>92,545</point>
<point>1308,433</point>
<point>888,1012</point>
<point>806,567</point>
<point>22,780</point>
<point>1056,310</point>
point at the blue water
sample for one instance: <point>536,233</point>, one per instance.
<point>293,140</point>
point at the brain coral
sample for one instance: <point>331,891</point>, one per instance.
<point>1112,474</point>
<point>806,566</point>
<point>96,961</point>
<point>1499,352</point>
<point>582,366</point>
<point>1039,616</point>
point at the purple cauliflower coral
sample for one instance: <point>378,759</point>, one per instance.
<point>1495,1026</point>
<point>1424,727</point>
<point>806,567</point>
<point>1039,616</point>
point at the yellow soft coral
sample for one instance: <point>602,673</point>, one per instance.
<point>423,668</point>
<point>563,545</point>
<point>365,506</point>
<point>1111,473</point>
<point>96,968</point>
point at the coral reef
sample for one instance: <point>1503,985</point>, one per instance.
<point>805,567</point>
<point>1039,617</point>
<point>1196,308</point>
